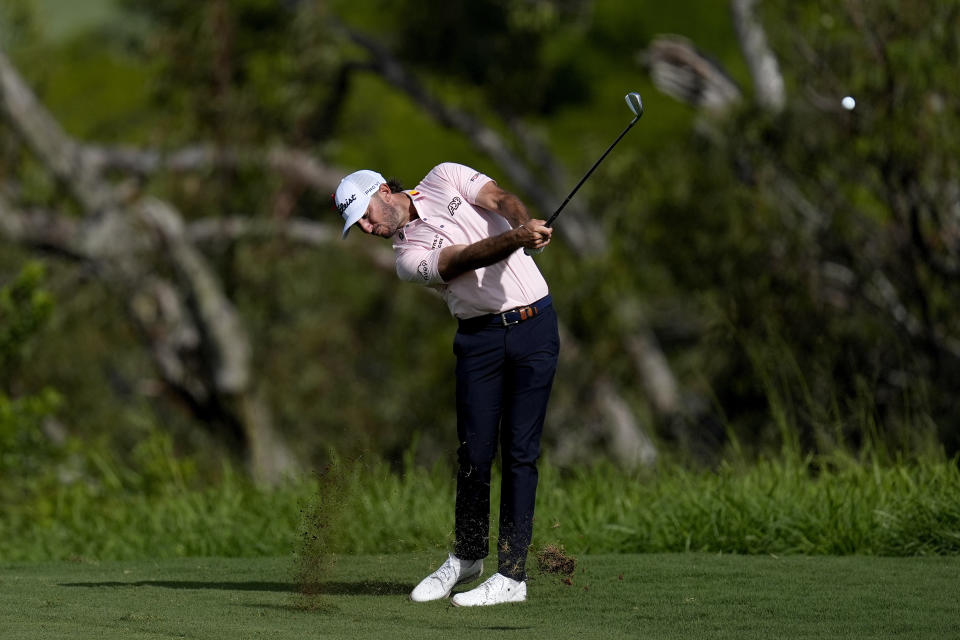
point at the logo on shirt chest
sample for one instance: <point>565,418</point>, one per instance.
<point>454,205</point>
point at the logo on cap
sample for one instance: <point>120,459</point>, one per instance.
<point>346,203</point>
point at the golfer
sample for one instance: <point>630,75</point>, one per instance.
<point>461,234</point>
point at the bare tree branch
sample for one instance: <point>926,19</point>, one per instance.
<point>208,357</point>
<point>41,230</point>
<point>47,139</point>
<point>685,73</point>
<point>301,231</point>
<point>215,313</point>
<point>768,82</point>
<point>293,164</point>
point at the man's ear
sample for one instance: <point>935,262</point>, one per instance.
<point>384,189</point>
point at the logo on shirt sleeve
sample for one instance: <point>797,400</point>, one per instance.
<point>424,270</point>
<point>454,205</point>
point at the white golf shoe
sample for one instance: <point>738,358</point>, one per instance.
<point>497,589</point>
<point>438,584</point>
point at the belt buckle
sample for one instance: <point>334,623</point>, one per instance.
<point>523,313</point>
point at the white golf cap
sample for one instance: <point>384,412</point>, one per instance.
<point>353,196</point>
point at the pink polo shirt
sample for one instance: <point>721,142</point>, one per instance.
<point>444,200</point>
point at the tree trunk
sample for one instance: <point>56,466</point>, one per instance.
<point>200,348</point>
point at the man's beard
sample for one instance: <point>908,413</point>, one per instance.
<point>392,222</point>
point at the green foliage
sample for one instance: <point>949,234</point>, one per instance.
<point>814,252</point>
<point>239,71</point>
<point>876,178</point>
<point>16,23</point>
<point>523,56</point>
<point>240,75</point>
<point>25,450</point>
<point>799,270</point>
<point>778,506</point>
<point>788,505</point>
<point>154,504</point>
<point>391,332</point>
<point>24,308</point>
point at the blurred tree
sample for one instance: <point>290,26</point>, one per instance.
<point>181,21</point>
<point>788,255</point>
<point>522,57</point>
<point>827,228</point>
<point>197,340</point>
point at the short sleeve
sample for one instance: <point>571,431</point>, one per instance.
<point>419,265</point>
<point>464,179</point>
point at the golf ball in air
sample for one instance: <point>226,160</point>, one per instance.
<point>848,103</point>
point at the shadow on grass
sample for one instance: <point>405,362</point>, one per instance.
<point>331,588</point>
<point>316,605</point>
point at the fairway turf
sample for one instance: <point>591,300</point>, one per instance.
<point>612,596</point>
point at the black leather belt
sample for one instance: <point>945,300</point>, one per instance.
<point>510,317</point>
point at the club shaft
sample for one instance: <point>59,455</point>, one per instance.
<point>587,175</point>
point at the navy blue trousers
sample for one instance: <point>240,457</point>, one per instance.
<point>504,377</point>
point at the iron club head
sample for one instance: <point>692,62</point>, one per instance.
<point>635,103</point>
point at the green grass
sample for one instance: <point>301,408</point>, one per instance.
<point>684,596</point>
<point>780,507</point>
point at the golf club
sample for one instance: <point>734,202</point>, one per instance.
<point>636,106</point>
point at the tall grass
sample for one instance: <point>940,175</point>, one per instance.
<point>783,506</point>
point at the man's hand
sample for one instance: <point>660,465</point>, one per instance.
<point>530,235</point>
<point>534,235</point>
<point>460,258</point>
